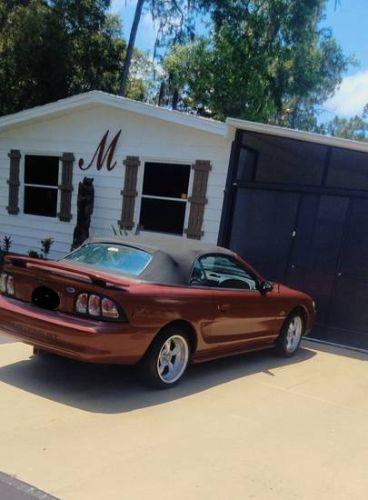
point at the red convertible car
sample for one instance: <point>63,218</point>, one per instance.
<point>157,303</point>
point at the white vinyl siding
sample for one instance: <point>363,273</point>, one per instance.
<point>79,132</point>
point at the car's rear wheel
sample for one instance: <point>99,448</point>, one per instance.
<point>165,363</point>
<point>291,335</point>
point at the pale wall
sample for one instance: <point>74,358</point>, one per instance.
<point>79,132</point>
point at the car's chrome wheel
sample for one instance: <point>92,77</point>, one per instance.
<point>294,334</point>
<point>173,359</point>
<point>167,359</point>
<point>291,334</point>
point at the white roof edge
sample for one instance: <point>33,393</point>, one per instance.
<point>225,130</point>
<point>297,134</point>
<point>45,110</point>
<point>178,117</point>
<point>99,97</point>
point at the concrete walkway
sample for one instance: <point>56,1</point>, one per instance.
<point>254,426</point>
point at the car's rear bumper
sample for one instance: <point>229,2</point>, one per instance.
<point>73,337</point>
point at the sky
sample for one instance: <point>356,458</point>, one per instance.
<point>349,23</point>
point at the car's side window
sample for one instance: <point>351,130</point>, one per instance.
<point>198,276</point>
<point>219,271</point>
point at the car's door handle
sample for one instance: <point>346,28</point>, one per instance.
<point>223,307</point>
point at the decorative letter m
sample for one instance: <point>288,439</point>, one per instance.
<point>103,154</point>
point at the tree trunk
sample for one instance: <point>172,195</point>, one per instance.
<point>175,100</point>
<point>129,54</point>
<point>161,94</point>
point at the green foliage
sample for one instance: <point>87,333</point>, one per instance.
<point>56,48</point>
<point>355,128</point>
<point>175,22</point>
<point>140,83</point>
<point>34,255</point>
<point>264,61</point>
<point>175,19</point>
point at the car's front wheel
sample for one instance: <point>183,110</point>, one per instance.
<point>165,363</point>
<point>291,335</point>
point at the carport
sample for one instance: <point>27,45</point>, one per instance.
<point>296,207</point>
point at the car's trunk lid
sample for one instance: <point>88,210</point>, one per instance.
<point>56,285</point>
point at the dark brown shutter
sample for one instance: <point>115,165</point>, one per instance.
<point>198,199</point>
<point>13,182</point>
<point>129,192</point>
<point>66,187</point>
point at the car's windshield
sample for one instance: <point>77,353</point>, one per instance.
<point>111,257</point>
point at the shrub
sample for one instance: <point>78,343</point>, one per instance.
<point>34,255</point>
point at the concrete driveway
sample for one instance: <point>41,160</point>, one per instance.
<point>254,426</point>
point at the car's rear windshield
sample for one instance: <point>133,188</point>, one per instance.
<point>111,257</point>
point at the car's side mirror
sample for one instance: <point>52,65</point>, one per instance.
<point>265,286</point>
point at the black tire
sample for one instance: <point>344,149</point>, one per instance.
<point>40,353</point>
<point>37,351</point>
<point>284,347</point>
<point>149,367</point>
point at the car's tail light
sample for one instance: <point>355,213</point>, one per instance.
<point>96,306</point>
<point>109,309</point>
<point>7,284</point>
<point>3,282</point>
<point>81,305</point>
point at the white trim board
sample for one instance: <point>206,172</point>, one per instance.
<point>96,97</point>
<point>300,135</point>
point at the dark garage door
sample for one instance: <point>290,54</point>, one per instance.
<point>349,304</point>
<point>262,229</point>
<point>316,243</point>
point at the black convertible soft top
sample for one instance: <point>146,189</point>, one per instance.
<point>172,258</point>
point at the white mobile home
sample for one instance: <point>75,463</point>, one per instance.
<point>294,204</point>
<point>155,169</point>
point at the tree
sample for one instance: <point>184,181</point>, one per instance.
<point>175,20</point>
<point>355,128</point>
<point>30,41</point>
<point>188,72</point>
<point>265,61</point>
<point>56,48</point>
<point>129,53</point>
<point>140,83</point>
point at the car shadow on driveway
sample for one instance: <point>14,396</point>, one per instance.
<point>115,389</point>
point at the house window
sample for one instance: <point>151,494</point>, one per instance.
<point>41,179</point>
<point>164,197</point>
